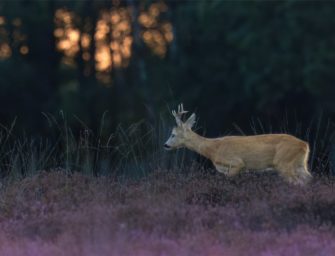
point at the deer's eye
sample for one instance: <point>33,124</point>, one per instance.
<point>172,135</point>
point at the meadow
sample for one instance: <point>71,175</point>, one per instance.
<point>86,94</point>
<point>83,195</point>
<point>166,213</point>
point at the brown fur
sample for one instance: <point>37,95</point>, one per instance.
<point>232,154</point>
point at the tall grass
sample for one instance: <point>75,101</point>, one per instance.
<point>73,212</point>
<point>131,151</point>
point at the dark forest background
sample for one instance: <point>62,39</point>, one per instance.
<point>243,66</point>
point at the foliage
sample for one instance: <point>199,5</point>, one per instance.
<point>256,59</point>
<point>232,59</point>
<point>236,63</point>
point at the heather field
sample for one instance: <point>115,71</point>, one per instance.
<point>101,106</point>
<point>166,213</point>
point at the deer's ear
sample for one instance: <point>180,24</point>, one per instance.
<point>190,122</point>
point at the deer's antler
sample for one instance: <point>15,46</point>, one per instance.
<point>178,115</point>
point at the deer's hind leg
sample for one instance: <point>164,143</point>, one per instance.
<point>291,163</point>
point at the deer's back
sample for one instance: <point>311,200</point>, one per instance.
<point>258,151</point>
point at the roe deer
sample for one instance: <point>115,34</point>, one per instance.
<point>232,154</point>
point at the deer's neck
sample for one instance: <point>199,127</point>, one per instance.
<point>199,144</point>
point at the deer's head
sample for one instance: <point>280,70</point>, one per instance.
<point>180,132</point>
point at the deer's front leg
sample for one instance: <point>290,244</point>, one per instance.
<point>222,168</point>
<point>231,168</point>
